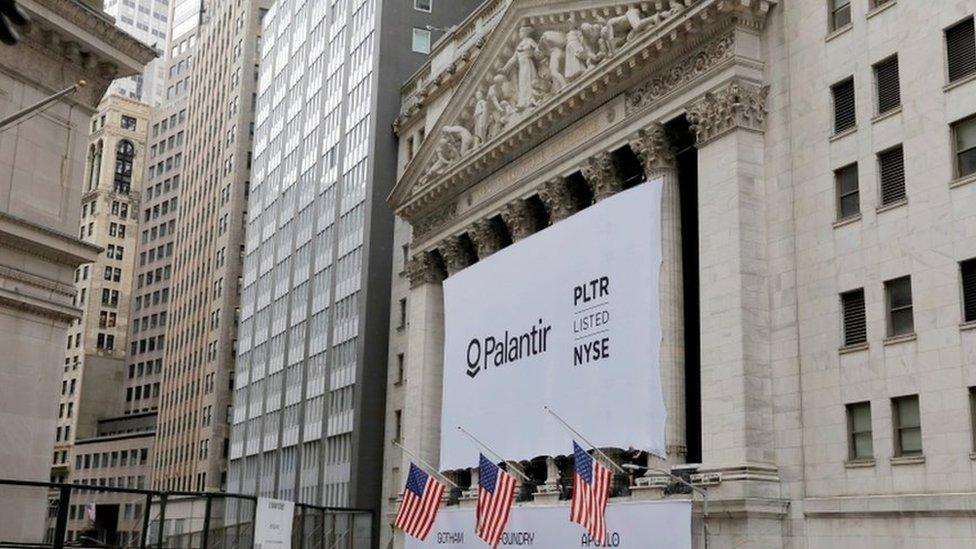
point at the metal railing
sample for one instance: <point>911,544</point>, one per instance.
<point>84,515</point>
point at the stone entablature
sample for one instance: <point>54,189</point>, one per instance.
<point>493,119</point>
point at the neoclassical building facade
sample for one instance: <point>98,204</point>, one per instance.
<point>817,237</point>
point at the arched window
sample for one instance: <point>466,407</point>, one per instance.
<point>124,153</point>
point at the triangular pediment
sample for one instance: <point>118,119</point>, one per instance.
<point>542,59</point>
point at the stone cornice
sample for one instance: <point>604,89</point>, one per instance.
<point>417,193</point>
<point>43,242</point>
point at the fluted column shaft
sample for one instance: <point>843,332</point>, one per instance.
<point>653,148</point>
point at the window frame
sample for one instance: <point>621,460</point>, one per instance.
<point>852,454</point>
<point>957,173</point>
<point>835,130</point>
<point>889,309</point>
<point>877,88</point>
<point>833,10</point>
<point>963,266</point>
<point>843,317</point>
<point>430,6</point>
<point>413,40</point>
<point>879,165</point>
<point>898,428</point>
<point>841,195</point>
<point>945,48</point>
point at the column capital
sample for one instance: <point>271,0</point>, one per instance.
<point>600,173</point>
<point>519,219</point>
<point>456,255</point>
<point>738,104</point>
<point>558,199</point>
<point>654,148</point>
<point>487,240</point>
<point>423,269</point>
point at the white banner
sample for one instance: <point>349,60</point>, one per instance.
<point>567,318</point>
<point>636,525</point>
<point>272,524</point>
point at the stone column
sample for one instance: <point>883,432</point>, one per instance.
<point>653,147</point>
<point>486,238</point>
<point>519,219</point>
<point>549,491</point>
<point>558,199</point>
<point>425,358</point>
<point>469,497</point>
<point>736,376</point>
<point>600,173</point>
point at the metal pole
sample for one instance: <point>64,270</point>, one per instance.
<point>206,521</point>
<point>27,110</point>
<point>584,439</point>
<point>162,520</point>
<point>432,470</point>
<point>145,522</point>
<point>492,452</point>
<point>61,524</point>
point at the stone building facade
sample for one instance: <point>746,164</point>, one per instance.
<point>92,385</point>
<point>43,159</point>
<point>817,288</point>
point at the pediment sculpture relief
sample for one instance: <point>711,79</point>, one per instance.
<point>538,62</point>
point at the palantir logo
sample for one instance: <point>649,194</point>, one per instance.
<point>474,364</point>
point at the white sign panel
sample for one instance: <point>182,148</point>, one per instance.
<point>272,524</point>
<point>567,318</point>
<point>629,526</point>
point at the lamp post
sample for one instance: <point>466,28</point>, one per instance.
<point>679,480</point>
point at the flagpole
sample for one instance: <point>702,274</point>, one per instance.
<point>494,453</point>
<point>431,469</point>
<point>584,439</point>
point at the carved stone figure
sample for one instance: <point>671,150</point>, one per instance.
<point>575,55</point>
<point>444,157</point>
<point>623,28</point>
<point>595,44</point>
<point>481,115</point>
<point>552,46</point>
<point>502,108</point>
<point>527,73</point>
<point>464,136</point>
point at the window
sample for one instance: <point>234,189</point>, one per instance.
<point>403,313</point>
<point>855,325</point>
<point>860,444</point>
<point>845,117</point>
<point>972,414</point>
<point>840,13</point>
<point>124,153</point>
<point>400,366</point>
<point>421,40</point>
<point>907,422</point>
<point>888,87</point>
<point>961,50</point>
<point>422,5</point>
<point>964,137</point>
<point>128,123</point>
<point>891,166</point>
<point>900,315</point>
<point>878,3</point>
<point>398,416</point>
<point>968,271</point>
<point>848,193</point>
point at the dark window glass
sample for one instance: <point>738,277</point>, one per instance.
<point>848,193</point>
<point>961,50</point>
<point>860,443</point>
<point>840,13</point>
<point>968,270</point>
<point>964,136</point>
<point>844,110</point>
<point>908,426</point>
<point>891,164</point>
<point>889,89</point>
<point>900,311</point>
<point>855,324</point>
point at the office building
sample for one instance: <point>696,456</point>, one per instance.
<point>44,160</point>
<point>311,369</point>
<point>201,329</point>
<point>94,359</point>
<point>148,22</point>
<point>818,287</point>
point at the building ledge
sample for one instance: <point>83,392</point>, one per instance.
<point>847,349</point>
<point>966,326</point>
<point>896,204</point>
<point>898,505</point>
<point>904,338</point>
<point>960,181</point>
<point>842,134</point>
<point>835,33</point>
<point>961,82</point>
<point>851,219</point>
<point>859,464</point>
<point>908,460</point>
<point>886,115</point>
<point>880,9</point>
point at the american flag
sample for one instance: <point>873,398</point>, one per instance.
<point>421,500</point>
<point>591,489</point>
<point>496,492</point>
